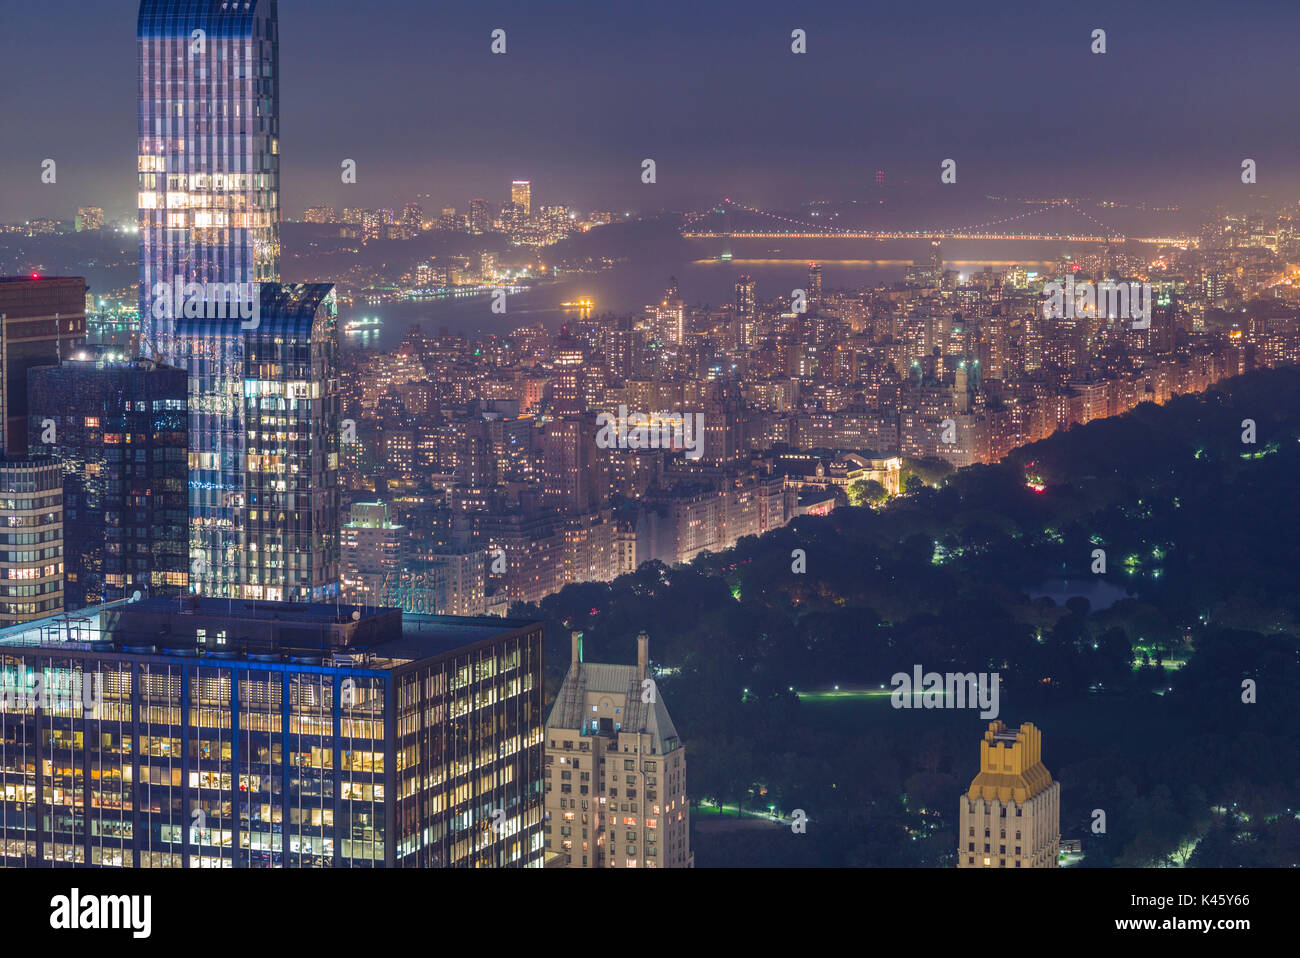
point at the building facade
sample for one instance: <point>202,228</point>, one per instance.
<point>119,431</point>
<point>615,770</point>
<point>31,543</point>
<point>209,150</point>
<point>225,734</point>
<point>264,448</point>
<point>375,550</point>
<point>1010,817</point>
<point>41,321</point>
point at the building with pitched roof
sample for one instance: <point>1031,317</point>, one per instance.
<point>615,770</point>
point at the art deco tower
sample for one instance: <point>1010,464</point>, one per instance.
<point>1011,814</point>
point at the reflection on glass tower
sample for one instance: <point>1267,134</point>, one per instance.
<point>209,150</point>
<point>264,424</point>
<point>261,358</point>
<point>117,428</point>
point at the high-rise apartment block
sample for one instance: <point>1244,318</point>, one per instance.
<point>264,433</point>
<point>615,770</point>
<point>41,319</point>
<point>262,358</point>
<point>1010,817</point>
<point>375,551</point>
<point>31,545</point>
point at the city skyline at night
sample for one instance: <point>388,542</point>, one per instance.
<point>425,427</point>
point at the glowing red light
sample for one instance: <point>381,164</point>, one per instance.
<point>34,276</point>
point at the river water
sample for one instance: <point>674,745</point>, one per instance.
<point>777,266</point>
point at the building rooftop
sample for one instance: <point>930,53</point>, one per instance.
<point>585,680</point>
<point>234,629</point>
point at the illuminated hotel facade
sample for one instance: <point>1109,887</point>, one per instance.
<point>1010,817</point>
<point>267,735</point>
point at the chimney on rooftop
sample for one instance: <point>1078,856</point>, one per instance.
<point>642,656</point>
<point>575,637</point>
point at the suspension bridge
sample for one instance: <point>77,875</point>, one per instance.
<point>717,224</point>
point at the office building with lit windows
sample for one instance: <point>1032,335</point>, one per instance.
<point>615,770</point>
<point>223,733</point>
<point>1010,817</point>
<point>119,430</point>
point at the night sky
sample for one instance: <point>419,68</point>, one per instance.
<point>710,90</point>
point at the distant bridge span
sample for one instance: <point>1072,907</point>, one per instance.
<point>923,235</point>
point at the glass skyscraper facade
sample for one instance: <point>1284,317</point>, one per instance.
<point>119,430</point>
<point>262,358</point>
<point>264,433</point>
<point>250,734</point>
<point>209,150</point>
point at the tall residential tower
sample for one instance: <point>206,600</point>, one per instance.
<point>209,150</point>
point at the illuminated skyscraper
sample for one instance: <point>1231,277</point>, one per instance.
<point>40,320</point>
<point>521,194</point>
<point>1011,815</point>
<point>264,433</point>
<point>814,288</point>
<point>480,220</point>
<point>209,150</point>
<point>745,303</point>
<point>668,319</point>
<point>263,379</point>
